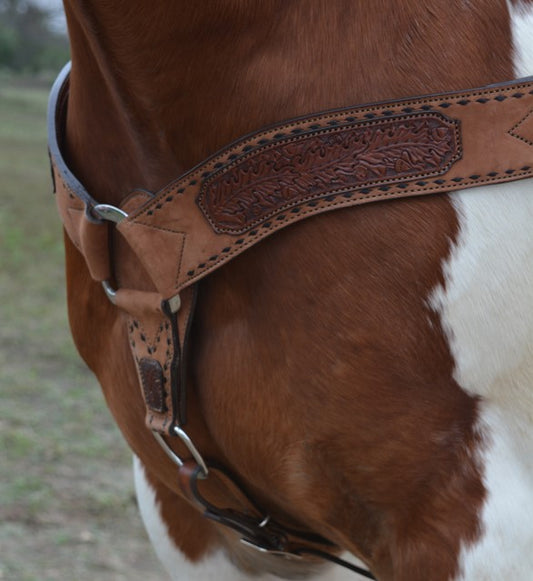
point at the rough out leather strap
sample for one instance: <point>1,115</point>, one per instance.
<point>343,158</point>
<point>272,178</point>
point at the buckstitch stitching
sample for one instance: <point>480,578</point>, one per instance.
<point>491,93</point>
<point>249,241</point>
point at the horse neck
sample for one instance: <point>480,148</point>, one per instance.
<point>167,84</point>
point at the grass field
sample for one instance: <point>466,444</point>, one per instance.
<point>67,507</point>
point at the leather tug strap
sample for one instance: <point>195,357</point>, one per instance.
<point>264,182</point>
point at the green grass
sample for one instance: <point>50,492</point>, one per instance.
<point>67,510</point>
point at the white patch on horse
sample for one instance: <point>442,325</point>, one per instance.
<point>486,309</point>
<point>179,568</point>
<point>216,566</point>
<point>522,23</point>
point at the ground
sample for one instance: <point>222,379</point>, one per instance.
<point>67,506</point>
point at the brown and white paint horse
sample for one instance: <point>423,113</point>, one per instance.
<point>367,372</point>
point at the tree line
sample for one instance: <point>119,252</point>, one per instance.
<point>28,42</point>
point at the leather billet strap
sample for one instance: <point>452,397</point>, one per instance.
<point>277,176</point>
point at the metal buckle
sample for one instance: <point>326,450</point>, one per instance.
<point>115,215</point>
<point>109,213</point>
<point>190,446</point>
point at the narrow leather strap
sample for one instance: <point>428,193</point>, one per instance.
<point>159,341</point>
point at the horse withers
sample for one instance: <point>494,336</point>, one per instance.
<point>360,380</point>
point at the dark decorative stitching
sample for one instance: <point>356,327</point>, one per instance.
<point>440,185</point>
<point>280,195</point>
<point>515,128</point>
<point>306,123</point>
<point>481,100</point>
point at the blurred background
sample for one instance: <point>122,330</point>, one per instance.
<point>67,505</point>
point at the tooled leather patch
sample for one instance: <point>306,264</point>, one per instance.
<point>288,172</point>
<point>152,379</point>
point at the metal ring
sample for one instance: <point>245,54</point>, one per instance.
<point>110,213</point>
<point>192,449</point>
<point>190,446</point>
<point>110,292</point>
<point>167,449</point>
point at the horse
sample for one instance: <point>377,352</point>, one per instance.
<point>364,373</point>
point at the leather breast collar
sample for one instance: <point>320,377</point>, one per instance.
<point>257,185</point>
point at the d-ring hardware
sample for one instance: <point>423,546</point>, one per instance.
<point>115,215</point>
<point>109,213</point>
<point>190,446</point>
